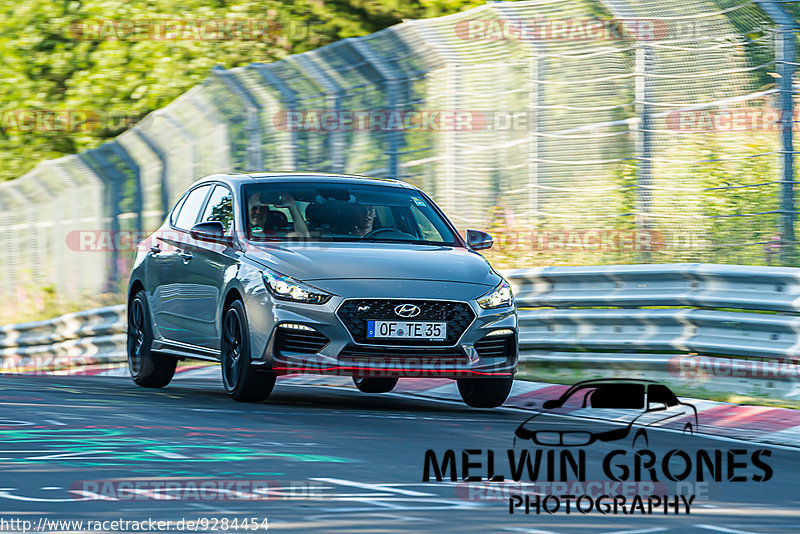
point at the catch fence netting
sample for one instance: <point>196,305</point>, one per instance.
<point>576,131</point>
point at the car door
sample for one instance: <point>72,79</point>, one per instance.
<point>173,293</point>
<point>207,269</point>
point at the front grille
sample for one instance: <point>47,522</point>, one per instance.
<point>458,316</point>
<point>495,346</point>
<point>304,341</point>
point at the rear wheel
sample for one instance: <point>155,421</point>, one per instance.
<point>241,381</point>
<point>374,385</point>
<point>484,392</point>
<point>146,368</point>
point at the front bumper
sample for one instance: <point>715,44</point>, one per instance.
<point>472,355</point>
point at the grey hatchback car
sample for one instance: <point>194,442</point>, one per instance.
<point>283,273</point>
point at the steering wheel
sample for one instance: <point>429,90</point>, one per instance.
<point>379,231</point>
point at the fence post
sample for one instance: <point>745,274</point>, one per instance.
<point>537,104</point>
<point>254,159</point>
<point>392,83</point>
<point>162,157</point>
<point>333,98</point>
<point>289,99</point>
<point>644,144</point>
<point>785,58</point>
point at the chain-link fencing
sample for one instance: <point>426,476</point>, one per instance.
<point>577,131</point>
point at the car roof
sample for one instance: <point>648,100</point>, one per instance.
<point>236,178</point>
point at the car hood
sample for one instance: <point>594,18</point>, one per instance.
<point>378,261</point>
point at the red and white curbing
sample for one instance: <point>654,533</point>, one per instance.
<point>765,424</point>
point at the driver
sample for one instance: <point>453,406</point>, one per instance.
<point>363,218</point>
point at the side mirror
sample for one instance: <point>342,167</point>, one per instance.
<point>478,240</point>
<point>209,231</point>
<point>655,406</point>
<point>552,403</point>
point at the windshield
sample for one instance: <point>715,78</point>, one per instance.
<point>342,212</point>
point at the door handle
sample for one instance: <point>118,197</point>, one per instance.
<point>187,256</point>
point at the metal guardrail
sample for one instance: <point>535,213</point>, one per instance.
<point>642,320</point>
<point>688,309</point>
<point>592,317</point>
<point>83,338</point>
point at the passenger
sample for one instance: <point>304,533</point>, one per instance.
<point>258,214</point>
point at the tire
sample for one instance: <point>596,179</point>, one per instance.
<point>240,379</point>
<point>146,368</point>
<point>484,392</point>
<point>374,385</point>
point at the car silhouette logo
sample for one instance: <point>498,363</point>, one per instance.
<point>637,404</point>
<point>407,310</point>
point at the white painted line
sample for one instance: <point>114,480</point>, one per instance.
<point>166,454</point>
<point>528,530</point>
<point>640,531</point>
<point>725,530</point>
<point>53,422</point>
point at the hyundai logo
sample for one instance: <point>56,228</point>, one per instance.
<point>407,310</point>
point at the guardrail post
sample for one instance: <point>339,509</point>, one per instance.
<point>644,144</point>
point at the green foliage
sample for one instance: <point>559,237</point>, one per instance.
<point>52,62</point>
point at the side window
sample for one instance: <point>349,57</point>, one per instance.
<point>220,208</point>
<point>173,217</point>
<point>187,217</point>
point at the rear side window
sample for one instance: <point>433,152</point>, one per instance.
<point>220,208</point>
<point>173,217</point>
<point>190,210</point>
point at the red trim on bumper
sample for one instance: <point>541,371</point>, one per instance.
<point>381,371</point>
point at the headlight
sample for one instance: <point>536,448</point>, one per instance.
<point>285,287</point>
<point>498,297</point>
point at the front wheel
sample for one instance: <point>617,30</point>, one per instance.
<point>484,392</point>
<point>241,381</point>
<point>146,368</point>
<point>374,385</point>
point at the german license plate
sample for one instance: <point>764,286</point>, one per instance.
<point>432,331</point>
